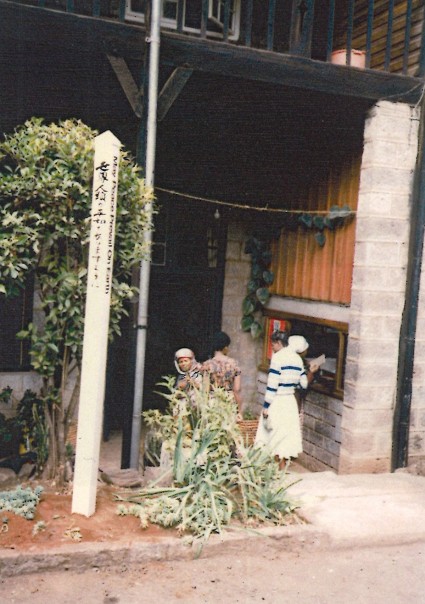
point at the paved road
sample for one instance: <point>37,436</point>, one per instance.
<point>262,572</point>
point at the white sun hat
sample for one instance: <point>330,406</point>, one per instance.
<point>297,343</point>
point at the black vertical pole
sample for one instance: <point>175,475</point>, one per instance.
<point>401,422</point>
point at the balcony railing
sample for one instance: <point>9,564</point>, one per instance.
<point>388,33</point>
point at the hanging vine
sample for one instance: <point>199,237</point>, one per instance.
<point>258,246</point>
<point>258,286</point>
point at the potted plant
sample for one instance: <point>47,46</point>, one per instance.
<point>357,57</point>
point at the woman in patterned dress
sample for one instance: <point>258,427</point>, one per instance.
<point>222,370</point>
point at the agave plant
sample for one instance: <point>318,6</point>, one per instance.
<point>215,477</point>
<point>200,411</point>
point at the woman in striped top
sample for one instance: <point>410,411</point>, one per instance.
<point>279,427</point>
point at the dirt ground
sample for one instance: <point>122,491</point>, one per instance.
<point>61,526</point>
<point>259,572</point>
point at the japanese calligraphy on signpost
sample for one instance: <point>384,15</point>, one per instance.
<point>96,322</point>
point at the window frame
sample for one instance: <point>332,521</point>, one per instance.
<point>234,24</point>
<point>340,327</point>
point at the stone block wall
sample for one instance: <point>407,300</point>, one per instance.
<point>243,347</point>
<point>19,381</point>
<point>321,431</point>
<point>378,287</point>
<point>355,435</point>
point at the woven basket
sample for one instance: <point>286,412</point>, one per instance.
<point>248,428</point>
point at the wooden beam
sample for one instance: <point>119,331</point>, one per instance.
<point>129,86</point>
<point>171,90</point>
<point>286,70</point>
<point>21,27</point>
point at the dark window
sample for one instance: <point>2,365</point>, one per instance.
<point>15,314</point>
<point>187,237</point>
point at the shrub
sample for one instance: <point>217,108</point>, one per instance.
<point>215,477</point>
<point>45,200</point>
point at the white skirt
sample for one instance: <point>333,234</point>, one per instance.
<point>281,431</point>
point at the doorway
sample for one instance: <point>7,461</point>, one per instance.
<point>186,287</point>
<point>185,300</point>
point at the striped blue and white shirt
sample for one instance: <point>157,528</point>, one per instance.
<point>285,374</point>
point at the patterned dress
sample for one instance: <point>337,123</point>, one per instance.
<point>281,431</point>
<point>222,371</point>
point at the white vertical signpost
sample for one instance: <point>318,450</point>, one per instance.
<point>96,322</point>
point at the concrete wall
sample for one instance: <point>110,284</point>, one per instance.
<point>355,435</point>
<point>243,347</point>
<point>19,381</point>
<point>378,288</point>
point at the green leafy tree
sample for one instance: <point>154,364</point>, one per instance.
<point>45,200</point>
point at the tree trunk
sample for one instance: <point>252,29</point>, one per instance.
<point>55,464</point>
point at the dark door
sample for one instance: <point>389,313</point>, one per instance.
<point>185,299</point>
<point>186,287</point>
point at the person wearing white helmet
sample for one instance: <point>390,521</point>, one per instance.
<point>188,369</point>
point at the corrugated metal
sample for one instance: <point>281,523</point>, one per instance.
<point>302,268</point>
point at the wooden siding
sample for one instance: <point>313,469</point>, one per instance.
<point>379,33</point>
<point>302,268</point>
<point>308,29</point>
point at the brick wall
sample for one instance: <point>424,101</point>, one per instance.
<point>378,288</point>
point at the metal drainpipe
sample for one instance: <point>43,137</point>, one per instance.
<point>401,420</point>
<point>142,317</point>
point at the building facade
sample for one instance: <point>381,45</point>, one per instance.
<point>254,114</point>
